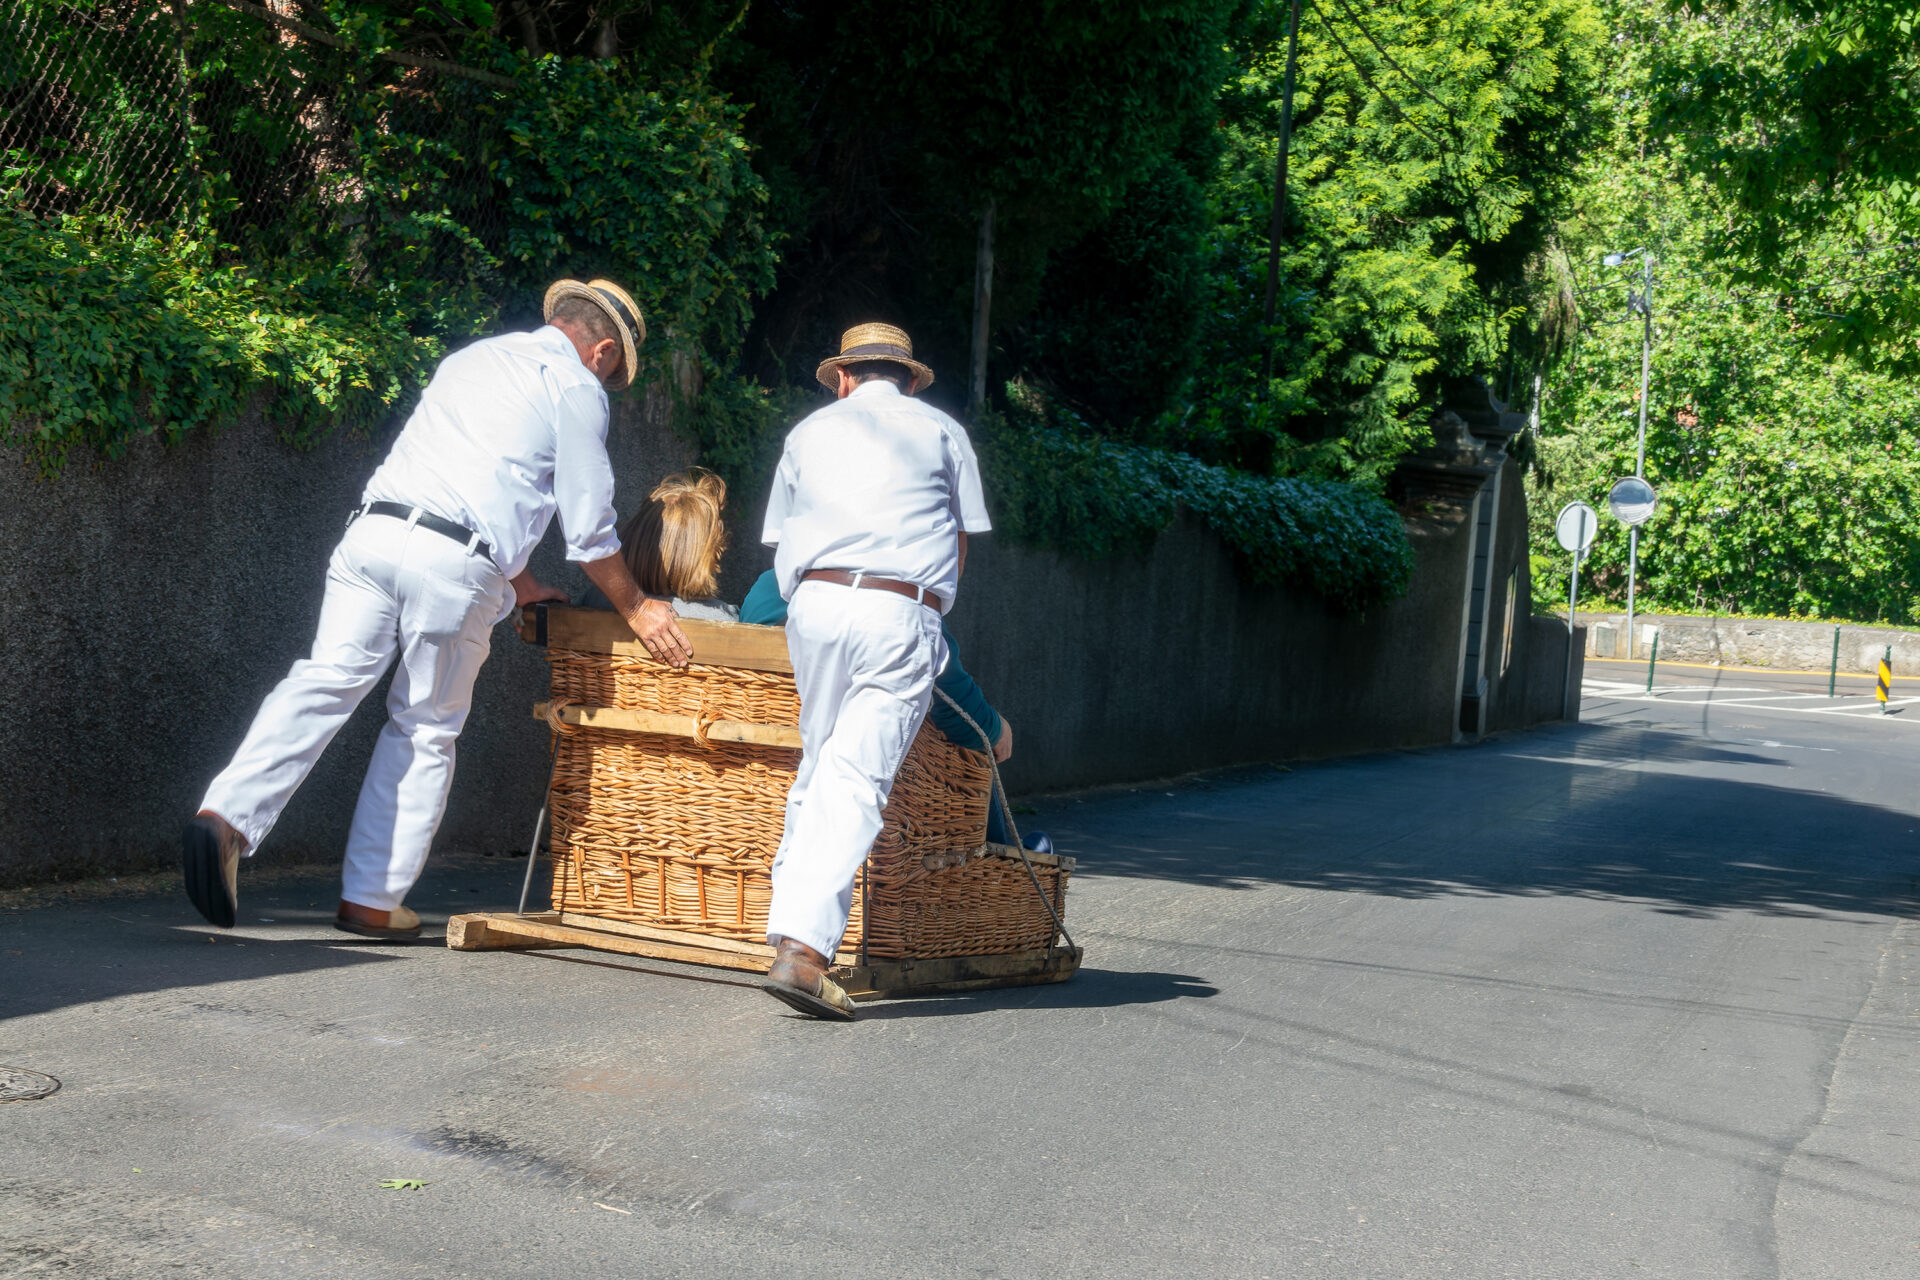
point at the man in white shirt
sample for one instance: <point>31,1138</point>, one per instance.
<point>871,507</point>
<point>511,431</point>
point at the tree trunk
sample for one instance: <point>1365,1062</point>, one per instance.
<point>982,311</point>
<point>529,31</point>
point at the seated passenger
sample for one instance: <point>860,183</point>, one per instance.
<point>764,606</point>
<point>673,546</point>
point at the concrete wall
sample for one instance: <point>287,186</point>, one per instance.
<point>148,604</point>
<point>1527,672</point>
<point>1191,668</point>
<point>1753,642</point>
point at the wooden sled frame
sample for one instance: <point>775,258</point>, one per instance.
<point>868,980</point>
<point>759,649</point>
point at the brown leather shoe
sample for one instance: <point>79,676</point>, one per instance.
<point>210,852</point>
<point>799,980</point>
<point>401,922</point>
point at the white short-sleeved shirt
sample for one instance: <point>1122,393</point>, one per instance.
<point>511,430</point>
<point>877,483</point>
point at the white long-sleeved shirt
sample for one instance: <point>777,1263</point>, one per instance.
<point>511,431</point>
<point>877,483</point>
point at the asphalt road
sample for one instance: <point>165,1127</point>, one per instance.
<point>1807,690</point>
<point>1637,998</point>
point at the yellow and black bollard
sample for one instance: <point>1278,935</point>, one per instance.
<point>1884,689</point>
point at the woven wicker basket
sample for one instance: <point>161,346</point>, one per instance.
<point>677,830</point>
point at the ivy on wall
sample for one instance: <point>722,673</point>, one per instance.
<point>108,336</point>
<point>1059,484</point>
<point>355,220</point>
<point>1054,482</point>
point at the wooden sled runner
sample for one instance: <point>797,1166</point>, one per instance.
<point>668,801</point>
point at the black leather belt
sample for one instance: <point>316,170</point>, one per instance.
<point>426,520</point>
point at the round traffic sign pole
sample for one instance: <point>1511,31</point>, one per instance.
<point>1632,501</point>
<point>1575,527</point>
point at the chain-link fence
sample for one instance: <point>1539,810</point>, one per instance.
<point>248,120</point>
<point>96,112</point>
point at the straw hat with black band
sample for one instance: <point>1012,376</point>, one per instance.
<point>866,342</point>
<point>619,307</point>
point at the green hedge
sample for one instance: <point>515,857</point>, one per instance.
<point>1062,486</point>
<point>443,215</point>
<point>108,336</point>
<point>1094,497</point>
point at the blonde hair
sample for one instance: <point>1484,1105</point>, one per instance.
<point>674,543</point>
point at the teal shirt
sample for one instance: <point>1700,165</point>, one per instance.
<point>764,606</point>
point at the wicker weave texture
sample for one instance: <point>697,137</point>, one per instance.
<point>677,834</point>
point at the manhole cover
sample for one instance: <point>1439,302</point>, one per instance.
<point>18,1085</point>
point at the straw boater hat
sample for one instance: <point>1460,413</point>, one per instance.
<point>873,342</point>
<point>620,308</point>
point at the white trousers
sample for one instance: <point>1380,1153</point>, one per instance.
<point>864,662</point>
<point>391,589</point>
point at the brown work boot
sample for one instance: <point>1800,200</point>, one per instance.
<point>799,980</point>
<point>401,922</point>
<point>210,852</point>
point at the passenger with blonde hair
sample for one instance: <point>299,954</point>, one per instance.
<point>673,546</point>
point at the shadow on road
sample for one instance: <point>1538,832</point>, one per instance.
<point>1089,989</point>
<point>101,958</point>
<point>83,952</point>
<point>1604,812</point>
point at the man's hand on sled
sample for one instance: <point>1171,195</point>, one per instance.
<point>1004,747</point>
<point>528,589</point>
<point>654,623</point>
<point>650,617</point>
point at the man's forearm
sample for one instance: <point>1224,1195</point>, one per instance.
<point>650,617</point>
<point>615,580</point>
<point>961,572</point>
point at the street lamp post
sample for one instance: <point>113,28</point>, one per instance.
<point>1644,305</point>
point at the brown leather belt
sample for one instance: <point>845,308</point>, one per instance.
<point>845,579</point>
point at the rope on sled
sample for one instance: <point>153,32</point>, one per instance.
<point>1006,813</point>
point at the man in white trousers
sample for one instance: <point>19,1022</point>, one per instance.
<point>511,431</point>
<point>871,507</point>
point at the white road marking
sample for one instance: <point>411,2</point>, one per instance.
<point>1853,707</point>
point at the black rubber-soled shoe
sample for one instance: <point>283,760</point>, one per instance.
<point>209,885</point>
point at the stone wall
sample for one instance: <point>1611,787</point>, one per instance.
<point>150,602</point>
<point>1753,642</point>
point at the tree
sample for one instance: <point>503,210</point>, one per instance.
<point>1805,115</point>
<point>1788,482</point>
<point>883,131</point>
<point>1432,144</point>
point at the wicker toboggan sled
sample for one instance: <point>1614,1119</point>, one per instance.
<point>668,799</point>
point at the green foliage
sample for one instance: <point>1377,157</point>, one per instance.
<point>884,131</point>
<point>740,426</point>
<point>1805,116</point>
<point>1788,480</point>
<point>107,335</point>
<point>1056,482</point>
<point>1117,327</point>
<point>1425,170</point>
<point>603,176</point>
<point>354,217</point>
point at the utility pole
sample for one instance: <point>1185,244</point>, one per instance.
<point>1640,448</point>
<point>1277,221</point>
